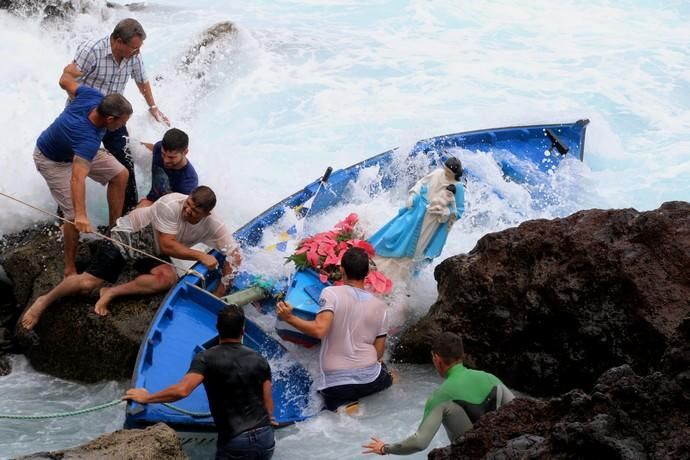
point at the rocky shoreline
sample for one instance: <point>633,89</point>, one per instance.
<point>590,314</point>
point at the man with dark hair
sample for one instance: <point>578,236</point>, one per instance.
<point>458,403</point>
<point>68,151</point>
<point>170,169</point>
<point>237,380</point>
<point>179,222</point>
<point>107,64</point>
<point>351,324</point>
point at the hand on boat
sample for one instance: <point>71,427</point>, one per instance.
<point>210,261</point>
<point>283,310</point>
<point>139,395</point>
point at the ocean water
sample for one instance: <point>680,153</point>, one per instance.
<point>300,86</point>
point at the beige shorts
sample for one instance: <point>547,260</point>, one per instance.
<point>58,176</point>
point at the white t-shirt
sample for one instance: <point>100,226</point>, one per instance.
<point>165,216</point>
<point>348,355</point>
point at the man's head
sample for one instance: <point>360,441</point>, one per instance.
<point>174,149</point>
<point>230,323</point>
<point>115,110</point>
<point>446,351</point>
<point>198,204</point>
<point>355,263</point>
<point>127,38</point>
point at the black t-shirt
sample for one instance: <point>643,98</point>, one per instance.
<point>233,378</point>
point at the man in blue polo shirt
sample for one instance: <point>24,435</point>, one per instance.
<point>68,151</point>
<point>171,171</point>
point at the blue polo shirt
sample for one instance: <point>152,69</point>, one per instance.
<point>72,133</point>
<point>164,180</point>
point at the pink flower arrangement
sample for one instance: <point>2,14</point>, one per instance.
<point>323,252</point>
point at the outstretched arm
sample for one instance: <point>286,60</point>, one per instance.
<point>145,90</point>
<point>417,442</point>
<point>174,392</point>
<point>68,79</point>
<point>318,328</point>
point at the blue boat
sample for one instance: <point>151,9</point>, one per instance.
<point>185,321</point>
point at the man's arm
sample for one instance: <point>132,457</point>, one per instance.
<point>68,79</point>
<point>380,345</point>
<point>148,145</point>
<point>80,170</point>
<point>268,399</point>
<point>232,261</point>
<point>174,392</point>
<point>318,328</point>
<point>145,90</point>
<point>173,248</point>
<point>415,443</point>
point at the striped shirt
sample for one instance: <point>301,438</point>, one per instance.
<point>95,59</point>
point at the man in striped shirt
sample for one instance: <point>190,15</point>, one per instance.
<point>107,64</point>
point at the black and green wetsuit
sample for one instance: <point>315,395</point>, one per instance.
<point>461,399</point>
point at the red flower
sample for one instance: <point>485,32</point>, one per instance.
<point>324,251</point>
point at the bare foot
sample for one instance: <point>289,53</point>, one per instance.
<point>70,272</point>
<point>33,313</point>
<point>101,307</point>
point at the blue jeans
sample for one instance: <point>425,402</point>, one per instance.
<point>256,444</point>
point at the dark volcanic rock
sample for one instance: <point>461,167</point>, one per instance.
<point>158,442</point>
<point>625,416</point>
<point>74,343</point>
<point>550,305</point>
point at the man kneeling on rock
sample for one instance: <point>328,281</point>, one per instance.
<point>179,222</point>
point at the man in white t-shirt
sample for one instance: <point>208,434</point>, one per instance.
<point>179,222</point>
<point>351,324</point>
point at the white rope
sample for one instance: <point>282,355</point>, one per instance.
<point>100,235</point>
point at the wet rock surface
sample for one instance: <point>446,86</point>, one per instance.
<point>552,304</point>
<point>625,416</point>
<point>71,341</point>
<point>158,442</point>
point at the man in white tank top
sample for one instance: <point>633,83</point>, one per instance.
<point>351,324</point>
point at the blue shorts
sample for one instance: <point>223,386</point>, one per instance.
<point>256,444</point>
<point>342,395</point>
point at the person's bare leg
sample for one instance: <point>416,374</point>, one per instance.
<point>160,279</point>
<point>70,237</point>
<point>116,196</point>
<point>77,284</point>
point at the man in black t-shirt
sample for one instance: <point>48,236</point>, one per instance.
<point>238,385</point>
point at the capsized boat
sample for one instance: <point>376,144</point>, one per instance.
<point>185,321</point>
<point>525,154</point>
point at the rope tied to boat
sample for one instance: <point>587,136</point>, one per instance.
<point>86,410</point>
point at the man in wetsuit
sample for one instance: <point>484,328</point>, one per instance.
<point>460,401</point>
<point>238,385</point>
